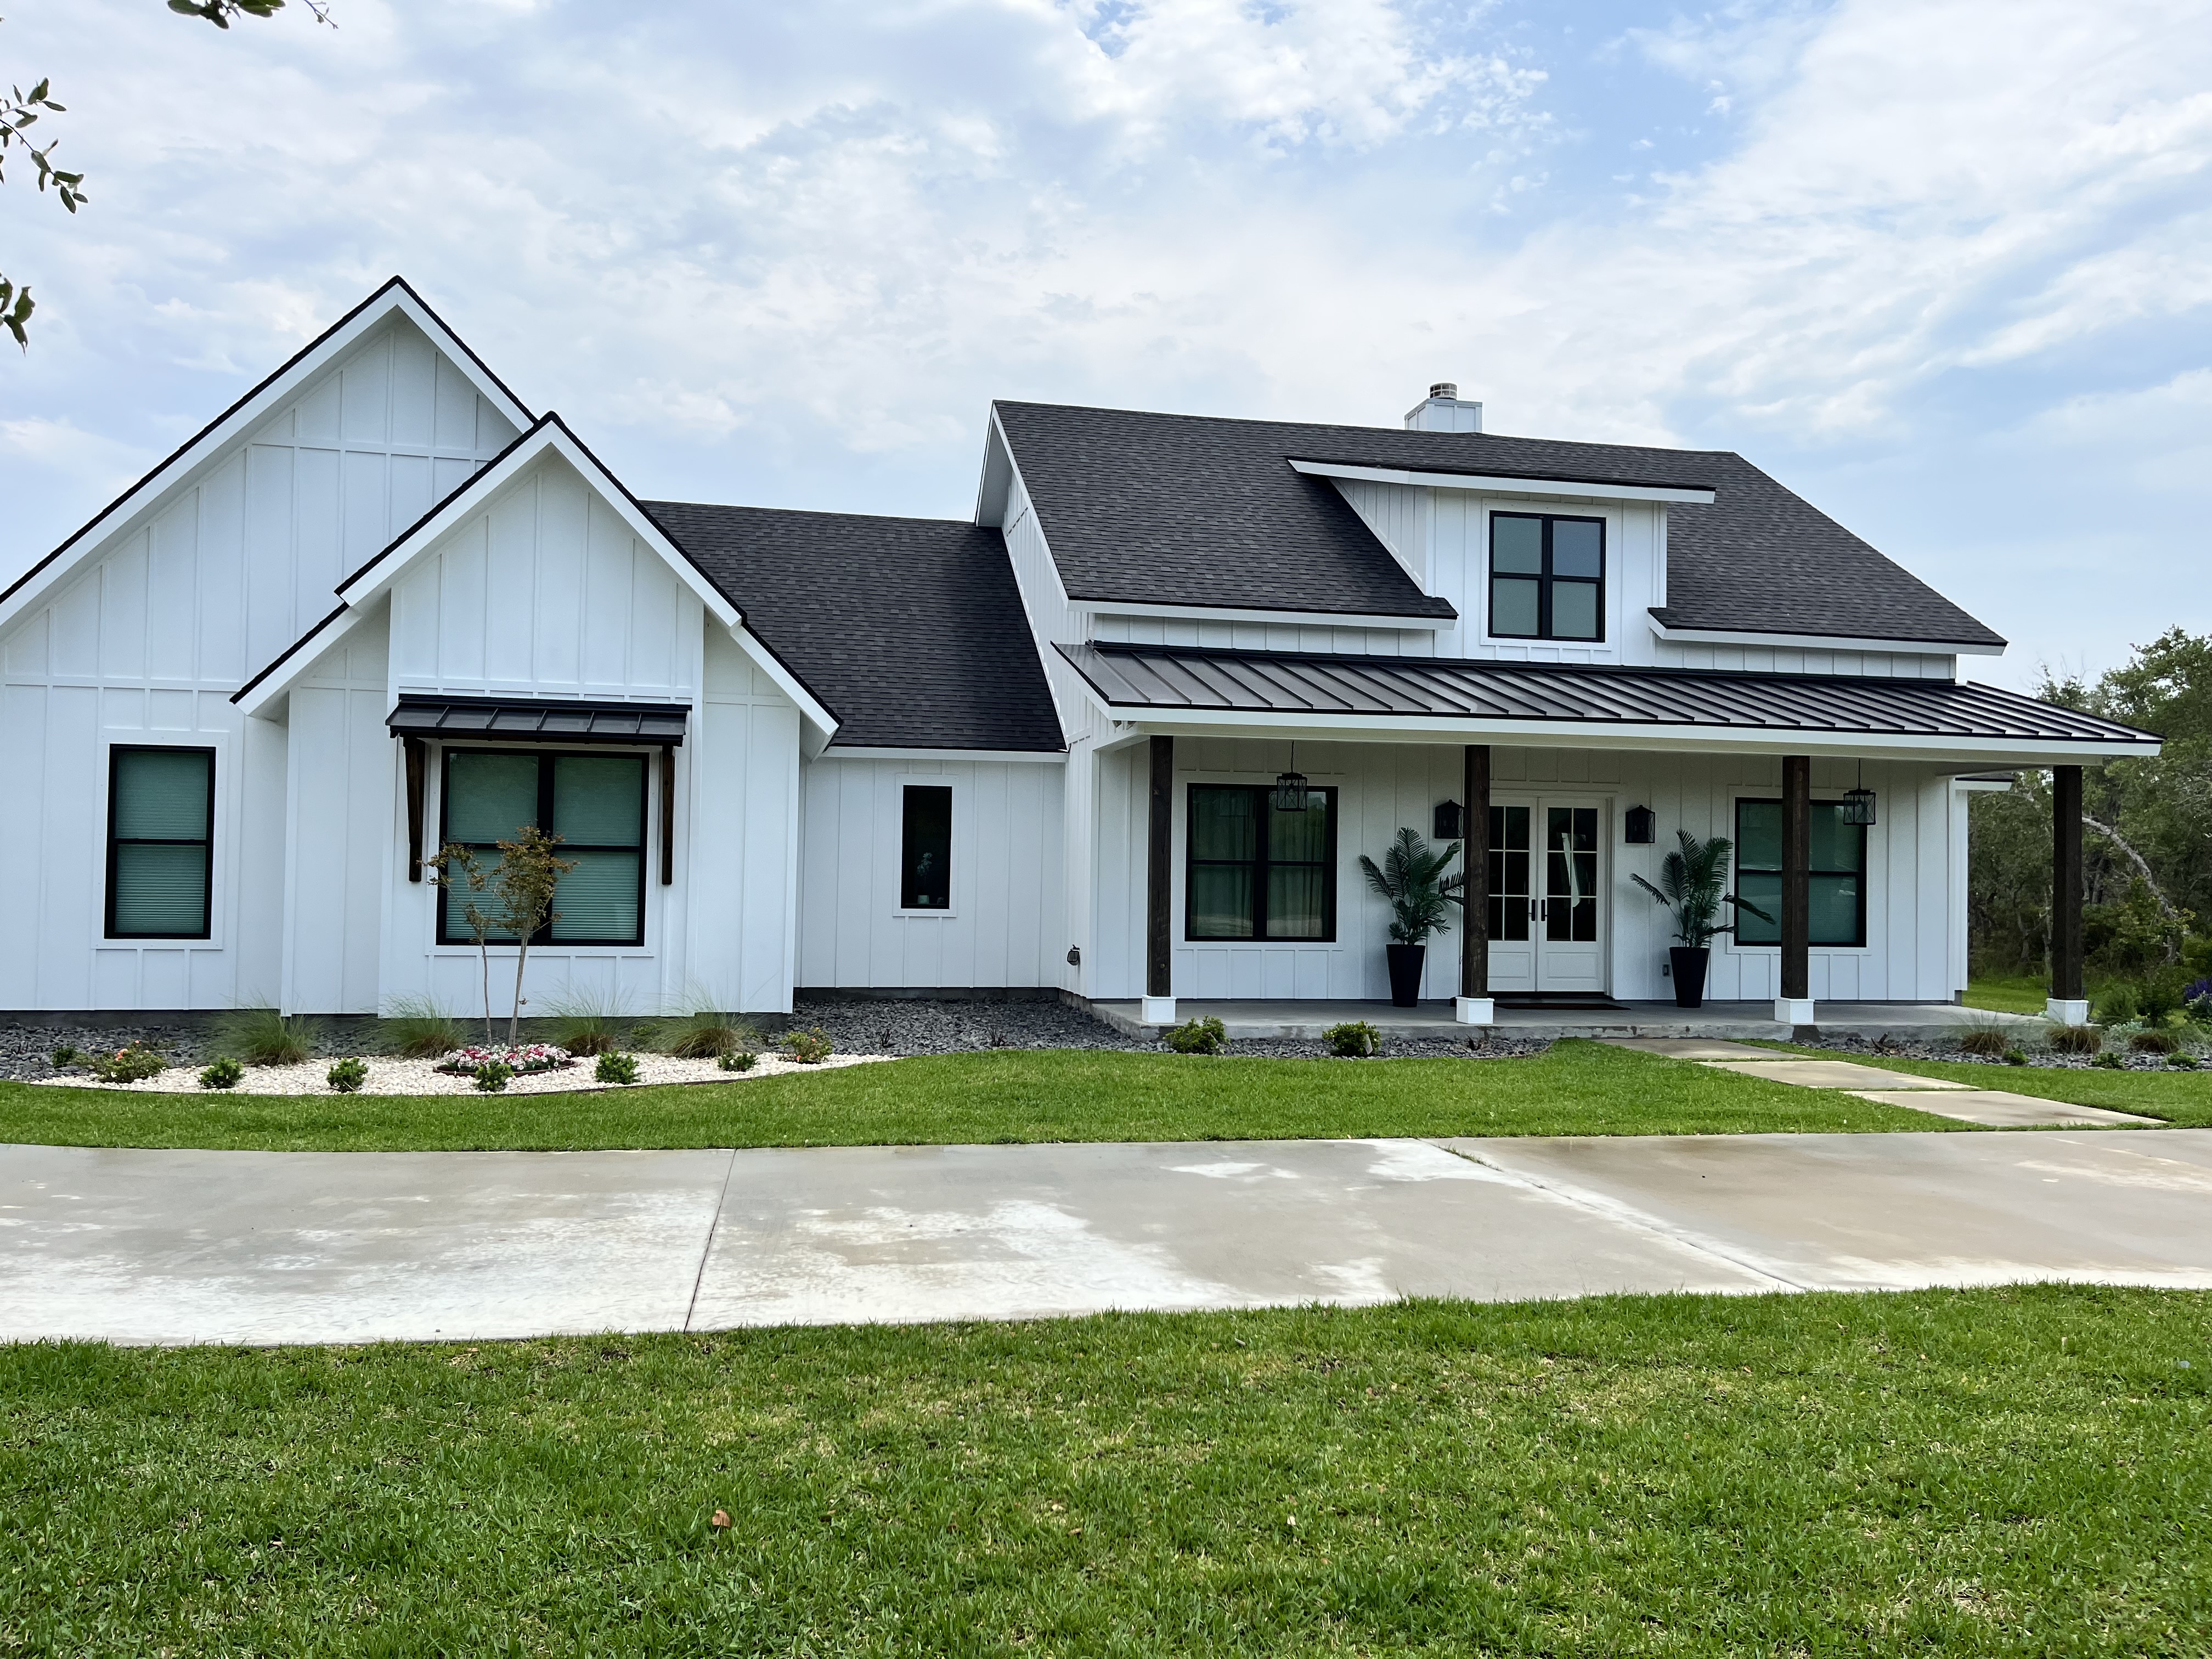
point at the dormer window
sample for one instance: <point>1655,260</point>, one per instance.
<point>1546,577</point>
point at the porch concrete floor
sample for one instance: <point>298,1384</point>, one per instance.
<point>1290,1020</point>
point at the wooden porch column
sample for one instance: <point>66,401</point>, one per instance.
<point>2067,1003</point>
<point>418,753</point>
<point>1794,1005</point>
<point>1159,889</point>
<point>1476,1006</point>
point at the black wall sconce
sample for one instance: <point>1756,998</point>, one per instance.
<point>1639,826</point>
<point>1451,821</point>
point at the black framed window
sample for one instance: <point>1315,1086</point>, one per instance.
<point>160,843</point>
<point>1546,577</point>
<point>1253,871</point>
<point>1838,873</point>
<point>595,803</point>
<point>926,847</point>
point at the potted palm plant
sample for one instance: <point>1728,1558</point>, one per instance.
<point>1412,879</point>
<point>1693,883</point>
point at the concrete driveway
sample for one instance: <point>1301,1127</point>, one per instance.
<point>315,1247</point>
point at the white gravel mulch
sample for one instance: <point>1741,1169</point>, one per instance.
<point>423,1077</point>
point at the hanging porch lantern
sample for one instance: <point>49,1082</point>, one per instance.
<point>1290,792</point>
<point>1858,803</point>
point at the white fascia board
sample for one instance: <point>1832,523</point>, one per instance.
<point>1279,618</point>
<point>146,497</point>
<point>824,723</point>
<point>1592,734</point>
<point>264,698</point>
<point>1494,485</point>
<point>1820,642</point>
<point>862,752</point>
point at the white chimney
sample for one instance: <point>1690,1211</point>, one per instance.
<point>1442,411</point>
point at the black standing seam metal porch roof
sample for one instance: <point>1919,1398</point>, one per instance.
<point>539,719</point>
<point>1140,677</point>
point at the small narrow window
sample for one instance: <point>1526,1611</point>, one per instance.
<point>595,803</point>
<point>160,843</point>
<point>1838,874</point>
<point>926,849</point>
<point>1546,577</point>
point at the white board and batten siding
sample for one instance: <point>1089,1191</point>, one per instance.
<point>1912,855</point>
<point>1006,925</point>
<point>213,576</point>
<point>544,591</point>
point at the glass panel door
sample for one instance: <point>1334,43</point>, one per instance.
<point>1512,898</point>
<point>1571,922</point>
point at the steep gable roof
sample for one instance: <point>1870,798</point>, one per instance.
<point>394,296</point>
<point>1199,510</point>
<point>911,630</point>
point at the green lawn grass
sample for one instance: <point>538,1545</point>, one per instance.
<point>1008,1094</point>
<point>2010,1472</point>
<point>2181,1098</point>
<point>2016,995</point>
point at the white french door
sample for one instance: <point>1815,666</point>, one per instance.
<point>1547,894</point>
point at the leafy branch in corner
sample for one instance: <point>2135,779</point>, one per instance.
<point>18,112</point>
<point>220,12</point>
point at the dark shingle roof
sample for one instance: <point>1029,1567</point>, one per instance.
<point>1137,676</point>
<point>1185,510</point>
<point>910,631</point>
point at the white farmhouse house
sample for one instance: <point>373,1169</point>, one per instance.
<point>1122,735</point>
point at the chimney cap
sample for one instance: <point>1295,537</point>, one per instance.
<point>1444,389</point>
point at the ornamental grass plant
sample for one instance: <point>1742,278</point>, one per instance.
<point>264,1036</point>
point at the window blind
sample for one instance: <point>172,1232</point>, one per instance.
<point>160,834</point>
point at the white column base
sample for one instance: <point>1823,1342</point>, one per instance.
<point>2067,1010</point>
<point>1793,1010</point>
<point>1475,1011</point>
<point>1156,1011</point>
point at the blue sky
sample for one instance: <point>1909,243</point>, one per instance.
<point>1943,266</point>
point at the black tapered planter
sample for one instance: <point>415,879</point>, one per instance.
<point>1689,967</point>
<point>1405,962</point>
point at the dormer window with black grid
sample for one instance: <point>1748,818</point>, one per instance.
<point>1546,577</point>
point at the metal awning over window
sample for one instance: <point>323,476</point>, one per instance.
<point>539,719</point>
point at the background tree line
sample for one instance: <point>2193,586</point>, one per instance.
<point>2146,847</point>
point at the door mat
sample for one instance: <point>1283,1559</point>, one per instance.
<point>1560,1000</point>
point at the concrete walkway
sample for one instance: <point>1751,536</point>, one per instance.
<point>335,1247</point>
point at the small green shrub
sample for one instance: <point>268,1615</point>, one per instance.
<point>1199,1036</point>
<point>133,1063</point>
<point>739,1060</point>
<point>2110,1061</point>
<point>615,1067</point>
<point>2160,998</point>
<point>2154,1043</point>
<point>348,1075</point>
<point>703,1035</point>
<point>262,1037</point>
<point>65,1055</point>
<point>2076,1039</point>
<point>2181,1061</point>
<point>808,1048</point>
<point>493,1076</point>
<point>1353,1040</point>
<point>2015,1057</point>
<point>221,1072</point>
<point>2117,1006</point>
<point>1987,1041</point>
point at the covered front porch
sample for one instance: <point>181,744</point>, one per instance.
<point>1293,1020</point>
<point>1844,797</point>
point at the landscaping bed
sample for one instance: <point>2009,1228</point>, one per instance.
<point>388,1076</point>
<point>2013,1472</point>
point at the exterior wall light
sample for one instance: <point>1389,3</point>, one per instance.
<point>1450,821</point>
<point>1639,826</point>
<point>1858,803</point>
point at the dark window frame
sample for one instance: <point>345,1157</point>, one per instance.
<point>907,787</point>
<point>1260,863</point>
<point>206,843</point>
<point>1546,581</point>
<point>1736,879</point>
<point>543,936</point>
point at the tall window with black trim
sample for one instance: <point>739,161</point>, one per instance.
<point>160,843</point>
<point>1254,871</point>
<point>1838,874</point>
<point>926,847</point>
<point>1546,577</point>
<point>595,803</point>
